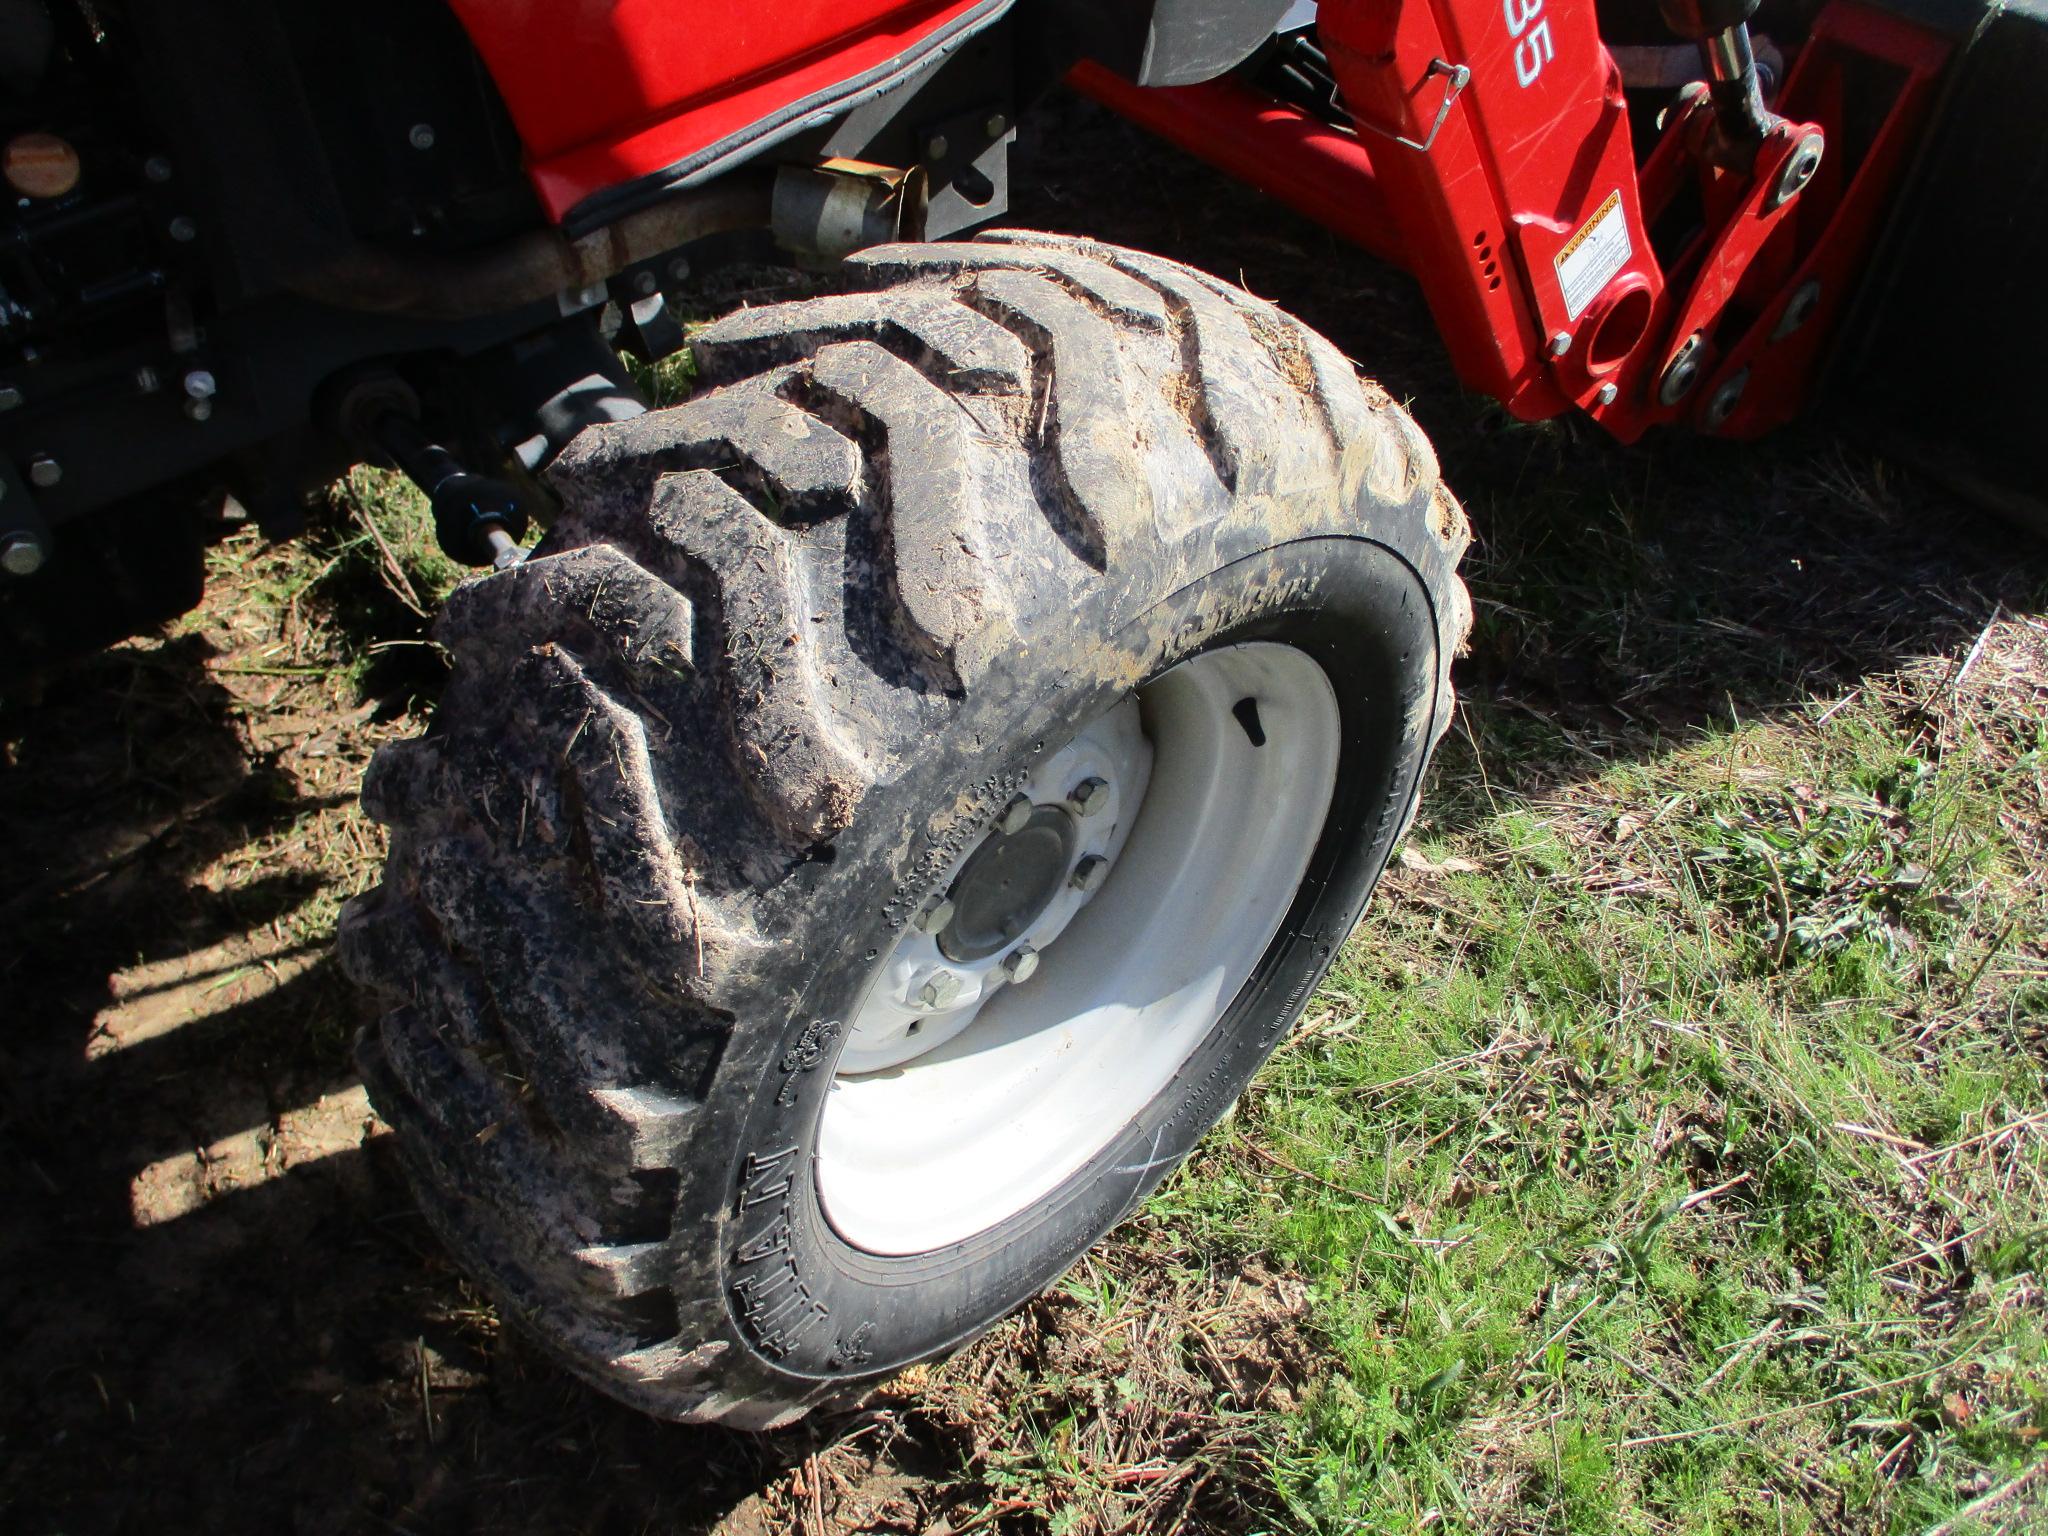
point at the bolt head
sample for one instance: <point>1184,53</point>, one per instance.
<point>1608,394</point>
<point>1682,372</point>
<point>1021,963</point>
<point>1089,796</point>
<point>10,397</point>
<point>200,385</point>
<point>1560,343</point>
<point>1799,169</point>
<point>647,285</point>
<point>422,136</point>
<point>157,169</point>
<point>679,268</point>
<point>1726,398</point>
<point>996,126</point>
<point>1089,874</point>
<point>1014,816</point>
<point>182,230</point>
<point>1798,309</point>
<point>936,149</point>
<point>44,471</point>
<point>21,554</point>
<point>941,989</point>
<point>933,918</point>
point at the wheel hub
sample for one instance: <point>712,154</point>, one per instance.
<point>1117,904</point>
<point>1008,882</point>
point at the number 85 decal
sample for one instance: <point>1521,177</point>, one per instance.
<point>1532,38</point>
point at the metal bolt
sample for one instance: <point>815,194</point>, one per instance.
<point>1089,874</point>
<point>1608,394</point>
<point>183,230</point>
<point>1683,371</point>
<point>1089,796</point>
<point>647,285</point>
<point>1560,343</point>
<point>934,918</point>
<point>1799,169</point>
<point>157,169</point>
<point>941,990</point>
<point>21,554</point>
<point>1021,963</point>
<point>422,136</point>
<point>936,149</point>
<point>679,268</point>
<point>10,397</point>
<point>44,470</point>
<point>1798,309</point>
<point>997,125</point>
<point>199,410</point>
<point>146,380</point>
<point>1015,814</point>
<point>1727,397</point>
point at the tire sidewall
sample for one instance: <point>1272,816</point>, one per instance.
<point>799,1301</point>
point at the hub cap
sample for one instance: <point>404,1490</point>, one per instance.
<point>1063,970</point>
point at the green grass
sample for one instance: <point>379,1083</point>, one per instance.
<point>1645,1229</point>
<point>1668,1152</point>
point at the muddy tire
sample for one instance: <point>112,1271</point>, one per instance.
<point>663,877</point>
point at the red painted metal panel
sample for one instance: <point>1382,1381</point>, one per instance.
<point>607,91</point>
<point>1528,155</point>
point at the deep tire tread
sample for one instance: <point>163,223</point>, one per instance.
<point>656,727</point>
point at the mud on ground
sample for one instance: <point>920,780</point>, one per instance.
<point>220,1309</point>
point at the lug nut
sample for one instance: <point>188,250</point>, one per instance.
<point>1089,796</point>
<point>1089,874</point>
<point>422,136</point>
<point>934,917</point>
<point>44,471</point>
<point>1021,963</point>
<point>21,554</point>
<point>941,990</point>
<point>1014,816</point>
<point>1608,394</point>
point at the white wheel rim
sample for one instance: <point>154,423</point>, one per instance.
<point>1006,1088</point>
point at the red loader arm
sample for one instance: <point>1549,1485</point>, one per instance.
<point>1487,149</point>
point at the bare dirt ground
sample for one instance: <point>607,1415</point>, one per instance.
<point>220,1309</point>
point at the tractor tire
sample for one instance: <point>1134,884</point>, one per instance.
<point>1038,606</point>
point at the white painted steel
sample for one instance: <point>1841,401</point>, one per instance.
<point>943,1121</point>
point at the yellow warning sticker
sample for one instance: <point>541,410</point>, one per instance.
<point>1592,257</point>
